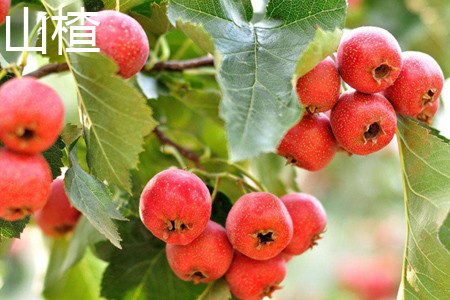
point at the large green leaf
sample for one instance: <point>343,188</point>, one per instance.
<point>93,199</point>
<point>256,62</point>
<point>426,176</point>
<point>54,156</point>
<point>114,114</point>
<point>140,270</point>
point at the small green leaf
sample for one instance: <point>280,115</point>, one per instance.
<point>12,229</point>
<point>54,156</point>
<point>70,134</point>
<point>426,179</point>
<point>323,45</point>
<point>92,198</point>
<point>140,270</point>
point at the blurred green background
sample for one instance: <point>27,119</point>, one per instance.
<point>360,255</point>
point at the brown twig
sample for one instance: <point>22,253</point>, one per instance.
<point>49,69</point>
<point>160,66</point>
<point>183,151</point>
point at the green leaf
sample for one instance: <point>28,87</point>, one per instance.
<point>256,62</point>
<point>323,45</point>
<point>426,176</point>
<point>83,236</point>
<point>113,113</point>
<point>12,229</point>
<point>80,282</point>
<point>115,118</point>
<point>220,208</point>
<point>140,270</point>
<point>444,233</point>
<point>152,17</point>
<point>92,198</point>
<point>217,290</point>
<point>54,156</point>
<point>70,134</point>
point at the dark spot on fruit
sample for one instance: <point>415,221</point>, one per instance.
<point>183,226</point>
<point>265,238</point>
<point>171,225</point>
<point>372,132</point>
<point>62,229</point>
<point>24,133</point>
<point>382,71</point>
<point>199,275</point>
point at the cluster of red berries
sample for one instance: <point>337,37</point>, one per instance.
<point>31,118</point>
<point>262,233</point>
<point>363,120</point>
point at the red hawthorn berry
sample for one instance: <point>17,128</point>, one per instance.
<point>251,279</point>
<point>369,59</point>
<point>24,184</point>
<point>309,219</point>
<point>58,216</point>
<point>122,38</point>
<point>419,85</point>
<point>363,123</point>
<point>319,89</point>
<point>310,144</point>
<point>205,259</point>
<point>175,206</point>
<point>31,115</point>
<point>5,5</point>
<point>259,225</point>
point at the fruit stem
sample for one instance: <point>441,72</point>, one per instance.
<point>118,5</point>
<point>224,175</point>
<point>216,189</point>
<point>243,171</point>
<point>168,149</point>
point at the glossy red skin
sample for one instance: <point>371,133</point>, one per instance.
<point>28,103</point>
<point>24,184</point>
<point>420,73</point>
<point>175,195</point>
<point>249,279</point>
<point>310,144</point>
<point>58,216</point>
<point>211,254</point>
<point>364,49</point>
<point>427,114</point>
<point>319,89</point>
<point>5,5</point>
<point>122,38</point>
<point>309,219</point>
<point>287,257</point>
<point>352,115</point>
<point>259,212</point>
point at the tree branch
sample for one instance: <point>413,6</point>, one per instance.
<point>160,66</point>
<point>183,151</point>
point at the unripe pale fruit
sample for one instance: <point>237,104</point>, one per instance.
<point>31,115</point>
<point>122,38</point>
<point>310,144</point>
<point>369,59</point>
<point>58,216</point>
<point>259,225</point>
<point>205,259</point>
<point>319,89</point>
<point>427,114</point>
<point>309,219</point>
<point>419,85</point>
<point>251,279</point>
<point>175,206</point>
<point>24,184</point>
<point>5,5</point>
<point>363,123</point>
